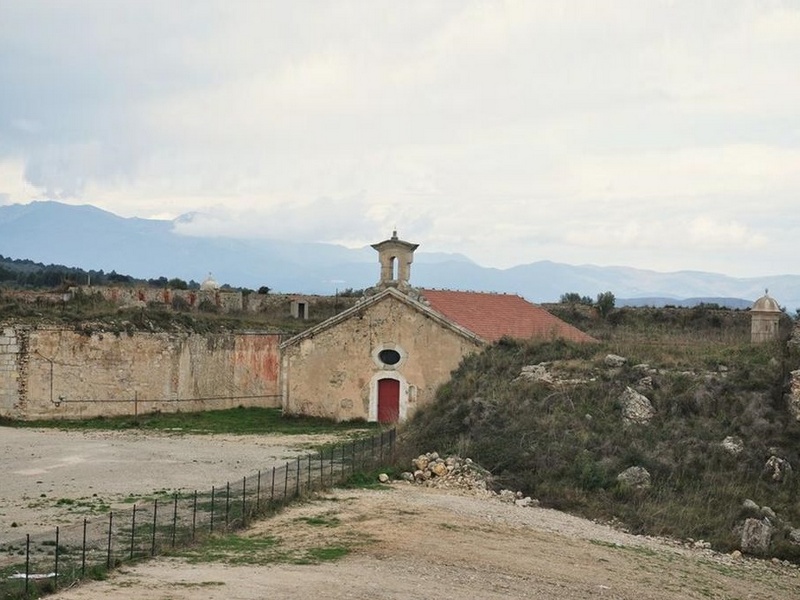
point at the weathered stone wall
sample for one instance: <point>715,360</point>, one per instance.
<point>56,372</point>
<point>333,373</point>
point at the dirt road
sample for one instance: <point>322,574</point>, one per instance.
<point>408,543</point>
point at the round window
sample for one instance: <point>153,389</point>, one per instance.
<point>389,357</point>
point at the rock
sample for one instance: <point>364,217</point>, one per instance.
<point>406,476</point>
<point>767,512</point>
<point>635,477</point>
<point>439,469</point>
<point>736,555</point>
<point>645,383</point>
<point>526,502</point>
<point>636,408</point>
<point>777,469</point>
<point>733,445</point>
<point>383,478</point>
<point>750,506</point>
<point>794,536</point>
<point>756,536</point>
<point>421,462</point>
<point>508,496</point>
<point>612,360</point>
<point>536,373</point>
<point>419,475</point>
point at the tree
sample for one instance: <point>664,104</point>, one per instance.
<point>177,284</point>
<point>605,303</point>
<point>264,289</point>
<point>575,298</point>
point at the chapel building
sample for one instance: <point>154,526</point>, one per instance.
<point>387,355</point>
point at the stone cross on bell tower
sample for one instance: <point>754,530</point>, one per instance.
<point>395,257</point>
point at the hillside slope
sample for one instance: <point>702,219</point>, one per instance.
<point>557,430</point>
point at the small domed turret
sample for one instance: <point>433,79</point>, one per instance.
<point>209,285</point>
<point>764,319</point>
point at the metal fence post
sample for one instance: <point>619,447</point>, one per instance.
<point>244,501</point>
<point>27,560</point>
<point>110,524</point>
<point>174,517</point>
<point>212,508</point>
<point>310,486</point>
<point>286,482</point>
<point>297,479</point>
<point>83,551</point>
<point>194,514</point>
<point>55,570</point>
<point>227,503</point>
<point>258,493</point>
<point>133,528</point>
<point>155,521</point>
<point>272,488</point>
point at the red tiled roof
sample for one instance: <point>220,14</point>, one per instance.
<point>492,316</point>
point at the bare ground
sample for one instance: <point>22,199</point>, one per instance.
<point>402,542</point>
<point>409,542</point>
<point>41,467</point>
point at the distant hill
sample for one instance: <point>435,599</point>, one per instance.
<point>94,239</point>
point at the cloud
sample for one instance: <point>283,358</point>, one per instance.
<point>508,131</point>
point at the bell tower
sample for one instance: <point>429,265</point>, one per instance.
<point>395,257</point>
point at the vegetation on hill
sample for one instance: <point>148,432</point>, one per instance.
<point>30,292</point>
<point>566,441</point>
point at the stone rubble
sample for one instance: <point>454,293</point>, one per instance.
<point>456,473</point>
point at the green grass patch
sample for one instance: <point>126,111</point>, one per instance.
<point>321,521</point>
<point>241,420</point>
<point>240,550</point>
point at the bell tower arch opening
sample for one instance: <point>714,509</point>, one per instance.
<point>395,257</point>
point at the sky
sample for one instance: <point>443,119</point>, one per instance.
<point>662,135</point>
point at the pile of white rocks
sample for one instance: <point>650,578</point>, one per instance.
<point>456,473</point>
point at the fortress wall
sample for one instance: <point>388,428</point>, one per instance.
<point>51,372</point>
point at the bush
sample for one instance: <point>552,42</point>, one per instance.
<point>566,443</point>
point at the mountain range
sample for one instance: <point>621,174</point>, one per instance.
<point>91,238</point>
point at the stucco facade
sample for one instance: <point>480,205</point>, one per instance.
<point>335,369</point>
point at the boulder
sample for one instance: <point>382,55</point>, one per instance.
<point>733,445</point>
<point>508,496</point>
<point>439,468</point>
<point>777,469</point>
<point>612,360</point>
<point>536,373</point>
<point>794,537</point>
<point>750,506</point>
<point>768,513</point>
<point>383,478</point>
<point>756,536</point>
<point>636,408</point>
<point>635,477</point>
<point>421,462</point>
<point>526,502</point>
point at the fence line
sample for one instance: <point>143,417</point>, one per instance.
<point>39,564</point>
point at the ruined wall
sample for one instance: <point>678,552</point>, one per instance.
<point>333,373</point>
<point>56,372</point>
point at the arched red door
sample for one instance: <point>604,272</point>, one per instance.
<point>388,400</point>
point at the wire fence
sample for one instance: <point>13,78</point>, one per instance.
<point>41,564</point>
